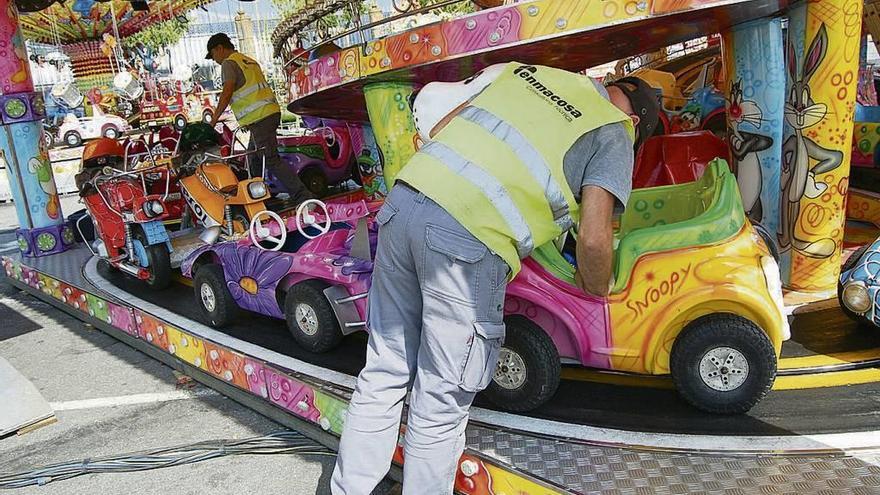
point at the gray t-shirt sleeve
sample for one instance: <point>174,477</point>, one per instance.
<point>602,157</point>
<point>230,71</point>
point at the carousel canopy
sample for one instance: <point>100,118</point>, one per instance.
<point>78,20</point>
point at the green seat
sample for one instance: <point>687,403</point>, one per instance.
<point>657,219</point>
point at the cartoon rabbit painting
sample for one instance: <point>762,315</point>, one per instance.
<point>745,147</point>
<point>802,158</point>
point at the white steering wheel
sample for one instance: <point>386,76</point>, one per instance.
<point>260,233</point>
<point>304,217</point>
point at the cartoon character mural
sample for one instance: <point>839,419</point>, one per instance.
<point>823,53</point>
<point>746,147</point>
<point>40,167</point>
<point>369,160</point>
<point>802,158</point>
<point>755,93</point>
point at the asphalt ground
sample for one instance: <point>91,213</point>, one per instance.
<point>88,377</point>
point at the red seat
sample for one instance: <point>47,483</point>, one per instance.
<point>676,158</point>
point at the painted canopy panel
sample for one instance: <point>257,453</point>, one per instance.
<point>570,34</point>
<point>77,20</point>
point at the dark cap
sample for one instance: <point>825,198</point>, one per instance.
<point>645,102</point>
<point>219,39</point>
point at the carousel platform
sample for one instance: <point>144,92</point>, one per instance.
<point>817,431</point>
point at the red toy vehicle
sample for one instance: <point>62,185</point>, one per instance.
<point>128,220</point>
<point>170,102</point>
<point>161,180</point>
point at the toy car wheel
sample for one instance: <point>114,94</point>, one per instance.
<point>206,116</point>
<point>72,138</point>
<point>315,181</point>
<point>310,318</point>
<point>527,373</point>
<point>48,139</point>
<point>212,295</point>
<point>723,363</point>
<point>179,122</point>
<point>110,131</point>
<point>159,262</point>
<point>849,265</point>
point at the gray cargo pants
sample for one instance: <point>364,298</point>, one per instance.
<point>435,320</point>
<point>264,135</point>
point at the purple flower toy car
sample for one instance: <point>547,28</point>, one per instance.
<point>312,270</point>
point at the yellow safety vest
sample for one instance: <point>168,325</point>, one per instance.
<point>255,100</point>
<point>497,166</point>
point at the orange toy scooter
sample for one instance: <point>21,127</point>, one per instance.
<point>217,198</point>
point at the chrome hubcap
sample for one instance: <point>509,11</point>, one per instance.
<point>510,372</point>
<point>306,319</point>
<point>724,369</point>
<point>209,301</point>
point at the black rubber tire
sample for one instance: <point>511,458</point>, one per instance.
<point>328,334</point>
<point>768,240</point>
<point>73,139</point>
<point>542,364</point>
<point>160,263</point>
<point>722,330</point>
<point>315,181</point>
<point>110,131</point>
<point>179,122</point>
<point>850,263</point>
<point>225,308</point>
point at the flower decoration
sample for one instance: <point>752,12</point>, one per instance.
<point>252,274</point>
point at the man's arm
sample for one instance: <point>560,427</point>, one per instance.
<point>595,240</point>
<point>223,102</point>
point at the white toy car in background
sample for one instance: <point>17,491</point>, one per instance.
<point>74,131</point>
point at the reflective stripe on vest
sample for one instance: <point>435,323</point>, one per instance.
<point>531,158</point>
<point>256,106</point>
<point>490,187</point>
<point>245,92</point>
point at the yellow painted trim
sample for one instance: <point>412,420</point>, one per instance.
<point>183,280</point>
<point>798,382</point>
<point>829,359</point>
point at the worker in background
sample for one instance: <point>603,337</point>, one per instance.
<point>255,108</point>
<point>514,157</point>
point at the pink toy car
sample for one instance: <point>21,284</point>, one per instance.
<point>312,270</point>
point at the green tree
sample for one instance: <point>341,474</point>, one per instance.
<point>159,35</point>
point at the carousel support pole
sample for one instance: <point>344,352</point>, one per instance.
<point>22,149</point>
<point>823,66</point>
<point>393,125</point>
<point>755,93</point>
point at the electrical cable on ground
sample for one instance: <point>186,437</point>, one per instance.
<point>282,442</point>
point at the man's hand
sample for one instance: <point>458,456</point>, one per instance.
<point>223,102</point>
<point>594,242</point>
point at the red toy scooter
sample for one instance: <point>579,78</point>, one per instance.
<point>128,221</point>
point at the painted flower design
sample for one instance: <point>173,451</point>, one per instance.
<point>67,236</point>
<point>46,241</point>
<point>22,244</point>
<point>251,276</point>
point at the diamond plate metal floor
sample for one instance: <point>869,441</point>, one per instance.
<point>602,470</point>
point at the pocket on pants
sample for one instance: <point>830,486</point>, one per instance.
<point>386,213</point>
<point>479,367</point>
<point>451,264</point>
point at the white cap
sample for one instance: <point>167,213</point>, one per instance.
<point>437,99</point>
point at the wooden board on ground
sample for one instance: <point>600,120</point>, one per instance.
<point>23,405</point>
